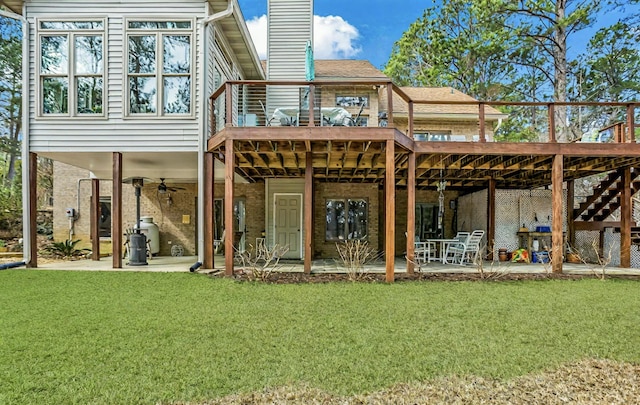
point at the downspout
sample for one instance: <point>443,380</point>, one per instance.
<point>202,142</point>
<point>26,217</point>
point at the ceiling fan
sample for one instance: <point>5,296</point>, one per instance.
<point>163,188</point>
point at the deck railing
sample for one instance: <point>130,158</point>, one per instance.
<point>380,103</point>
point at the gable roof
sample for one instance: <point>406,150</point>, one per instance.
<point>343,69</point>
<point>439,110</point>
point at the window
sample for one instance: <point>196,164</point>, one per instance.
<point>432,136</point>
<point>71,68</point>
<point>346,219</point>
<point>352,101</point>
<point>104,222</point>
<point>159,72</point>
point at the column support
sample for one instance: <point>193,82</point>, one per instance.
<point>308,213</point>
<point>556,210</point>
<point>229,169</point>
<point>390,213</point>
<point>116,211</point>
<point>95,219</point>
<point>491,217</point>
<point>208,211</point>
<point>625,220</point>
<point>411,212</point>
<point>33,210</point>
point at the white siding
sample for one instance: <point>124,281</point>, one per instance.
<point>115,133</point>
<point>290,27</point>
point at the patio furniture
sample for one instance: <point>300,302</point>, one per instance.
<point>444,244</point>
<point>465,252</point>
<point>423,251</point>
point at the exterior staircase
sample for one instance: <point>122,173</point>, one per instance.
<point>606,197</point>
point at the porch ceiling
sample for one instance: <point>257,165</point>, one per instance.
<point>466,166</point>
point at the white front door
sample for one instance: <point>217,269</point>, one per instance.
<point>288,223</point>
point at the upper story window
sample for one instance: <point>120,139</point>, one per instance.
<point>352,101</point>
<point>159,68</point>
<point>71,68</point>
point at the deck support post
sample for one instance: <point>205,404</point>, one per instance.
<point>625,219</point>
<point>308,212</point>
<point>390,211</point>
<point>631,125</point>
<point>411,212</point>
<point>491,216</point>
<point>208,211</point>
<point>116,211</point>
<point>94,220</point>
<point>556,212</point>
<point>33,210</point>
<point>229,169</point>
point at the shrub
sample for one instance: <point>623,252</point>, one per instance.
<point>67,249</point>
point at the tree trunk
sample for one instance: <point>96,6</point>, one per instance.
<point>560,71</point>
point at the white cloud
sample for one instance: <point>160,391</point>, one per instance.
<point>334,38</point>
<point>258,30</point>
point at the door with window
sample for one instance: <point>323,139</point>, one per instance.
<point>239,223</point>
<point>426,221</point>
<point>288,223</point>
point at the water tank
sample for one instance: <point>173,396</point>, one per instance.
<point>151,231</point>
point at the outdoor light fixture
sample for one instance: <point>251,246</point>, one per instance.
<point>137,182</point>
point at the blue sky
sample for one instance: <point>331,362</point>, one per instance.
<point>379,23</point>
<point>367,29</point>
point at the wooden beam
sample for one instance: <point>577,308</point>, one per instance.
<point>207,262</point>
<point>411,211</point>
<point>390,105</point>
<point>491,215</point>
<point>481,123</point>
<point>229,170</point>
<point>556,212</point>
<point>631,125</point>
<point>625,219</point>
<point>116,211</point>
<point>228,93</point>
<point>390,211</point>
<point>308,213</point>
<point>33,210</point>
<point>552,122</point>
<point>571,224</point>
<point>94,220</point>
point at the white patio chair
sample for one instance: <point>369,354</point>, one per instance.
<point>424,251</point>
<point>467,251</point>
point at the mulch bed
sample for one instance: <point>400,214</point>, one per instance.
<point>302,278</point>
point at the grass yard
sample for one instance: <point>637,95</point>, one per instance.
<point>122,338</point>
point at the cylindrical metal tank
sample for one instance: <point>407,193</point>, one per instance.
<point>151,231</point>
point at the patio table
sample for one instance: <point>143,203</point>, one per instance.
<point>444,243</point>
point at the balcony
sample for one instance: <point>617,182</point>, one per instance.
<point>347,126</point>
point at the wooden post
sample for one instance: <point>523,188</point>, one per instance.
<point>491,216</point>
<point>116,211</point>
<point>552,122</point>
<point>94,219</point>
<point>229,169</point>
<point>390,217</point>
<point>571,225</point>
<point>481,123</point>
<point>33,210</point>
<point>228,93</point>
<point>556,212</point>
<point>410,129</point>
<point>625,219</point>
<point>308,213</point>
<point>207,262</point>
<point>411,211</point>
<point>631,125</point>
<point>390,105</point>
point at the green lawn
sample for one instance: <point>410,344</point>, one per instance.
<point>93,337</point>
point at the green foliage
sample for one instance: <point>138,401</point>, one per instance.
<point>163,338</point>
<point>67,249</point>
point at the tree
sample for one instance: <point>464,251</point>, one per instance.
<point>10,95</point>
<point>457,44</point>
